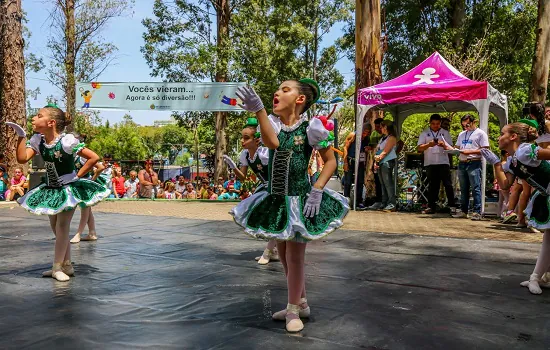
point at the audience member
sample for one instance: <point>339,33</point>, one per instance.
<point>244,193</point>
<point>180,186</point>
<point>4,183</point>
<point>170,191</point>
<point>118,183</point>
<point>233,181</point>
<point>190,192</point>
<point>148,179</point>
<point>131,185</point>
<point>17,185</point>
<point>203,192</point>
<point>212,194</point>
<point>230,194</point>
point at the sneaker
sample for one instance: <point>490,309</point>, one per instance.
<point>476,217</point>
<point>459,215</point>
<point>428,211</point>
<point>376,206</point>
<point>390,207</point>
<point>509,217</point>
<point>534,230</point>
<point>360,207</point>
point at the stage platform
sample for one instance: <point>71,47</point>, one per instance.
<point>155,282</point>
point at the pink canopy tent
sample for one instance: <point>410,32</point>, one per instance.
<point>434,86</point>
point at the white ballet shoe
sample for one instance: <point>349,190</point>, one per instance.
<point>533,284</point>
<point>267,256</point>
<point>76,238</point>
<point>67,268</point>
<point>293,322</point>
<point>92,236</point>
<point>304,312</point>
<point>58,274</point>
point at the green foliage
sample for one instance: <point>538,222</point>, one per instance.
<point>123,141</point>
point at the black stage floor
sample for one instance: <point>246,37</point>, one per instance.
<point>161,282</point>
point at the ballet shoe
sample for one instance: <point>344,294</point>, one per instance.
<point>58,274</point>
<point>76,238</point>
<point>67,268</point>
<point>293,322</point>
<point>268,256</point>
<point>304,312</point>
<point>533,284</point>
<point>92,236</point>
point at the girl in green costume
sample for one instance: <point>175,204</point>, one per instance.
<point>530,163</point>
<point>256,158</point>
<point>291,210</point>
<point>65,189</point>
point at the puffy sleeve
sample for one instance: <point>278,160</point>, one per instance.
<point>263,153</point>
<point>275,124</point>
<point>506,166</point>
<point>71,145</point>
<point>242,158</point>
<point>318,135</point>
<point>34,142</point>
<point>528,154</point>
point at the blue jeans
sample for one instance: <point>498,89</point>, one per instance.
<point>469,176</point>
<point>387,183</point>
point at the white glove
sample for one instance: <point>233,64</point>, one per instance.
<point>67,179</point>
<point>251,100</point>
<point>313,203</point>
<point>489,156</point>
<point>230,163</point>
<point>18,130</point>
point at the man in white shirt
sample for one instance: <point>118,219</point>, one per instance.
<point>470,142</point>
<point>432,142</point>
<point>131,185</point>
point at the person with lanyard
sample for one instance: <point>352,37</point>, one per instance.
<point>470,142</point>
<point>349,166</point>
<point>432,142</point>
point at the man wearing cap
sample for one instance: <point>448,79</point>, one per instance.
<point>148,179</point>
<point>234,182</point>
<point>469,143</point>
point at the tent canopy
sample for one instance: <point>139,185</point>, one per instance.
<point>433,86</point>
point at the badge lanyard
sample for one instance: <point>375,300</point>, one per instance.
<point>466,139</point>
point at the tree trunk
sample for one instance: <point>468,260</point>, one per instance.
<point>458,12</point>
<point>223,18</point>
<point>70,58</point>
<point>541,58</point>
<point>13,75</point>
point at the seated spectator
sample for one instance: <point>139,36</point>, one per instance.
<point>4,183</point>
<point>190,192</point>
<point>230,194</point>
<point>180,186</point>
<point>233,181</point>
<point>244,193</point>
<point>118,183</point>
<point>219,189</point>
<point>17,185</point>
<point>131,186</point>
<point>203,192</point>
<point>211,194</point>
<point>170,191</point>
<point>159,189</point>
<point>221,181</point>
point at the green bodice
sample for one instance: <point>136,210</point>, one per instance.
<point>56,160</point>
<point>258,168</point>
<point>288,164</point>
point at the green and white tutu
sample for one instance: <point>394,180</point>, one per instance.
<point>46,200</point>
<point>276,212</point>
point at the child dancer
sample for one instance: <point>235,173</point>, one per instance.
<point>65,189</point>
<point>530,163</point>
<point>86,215</point>
<point>291,210</point>
<point>256,158</point>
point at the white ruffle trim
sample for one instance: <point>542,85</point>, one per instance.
<point>529,210</point>
<point>71,203</point>
<point>295,224</point>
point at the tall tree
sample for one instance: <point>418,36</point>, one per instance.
<point>541,58</point>
<point>78,52</point>
<point>12,75</point>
